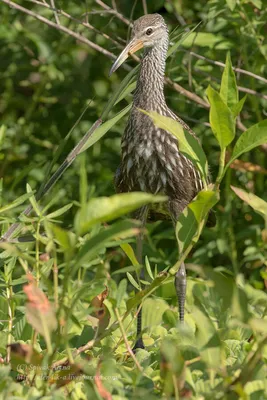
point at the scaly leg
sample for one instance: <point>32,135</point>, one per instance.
<point>180,277</point>
<point>180,287</point>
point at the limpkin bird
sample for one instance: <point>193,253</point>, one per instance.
<point>151,161</point>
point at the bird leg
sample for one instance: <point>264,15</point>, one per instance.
<point>180,277</point>
<point>180,287</point>
<point>142,216</point>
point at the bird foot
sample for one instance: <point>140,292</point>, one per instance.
<point>139,344</point>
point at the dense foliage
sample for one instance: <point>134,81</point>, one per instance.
<point>69,276</point>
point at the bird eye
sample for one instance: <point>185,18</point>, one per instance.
<point>149,31</point>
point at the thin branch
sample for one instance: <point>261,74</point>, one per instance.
<point>55,12</point>
<point>54,178</point>
<point>179,18</point>
<point>115,12</point>
<point>182,22</point>
<point>144,6</point>
<point>60,28</point>
<point>221,64</point>
<point>85,24</point>
<point>187,93</point>
<point>126,342</point>
<point>240,88</point>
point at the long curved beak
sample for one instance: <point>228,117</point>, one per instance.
<point>131,48</point>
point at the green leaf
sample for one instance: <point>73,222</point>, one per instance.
<point>104,209</point>
<point>231,4</point>
<point>2,135</point>
<point>128,250</point>
<point>122,289</point>
<point>188,144</point>
<point>33,201</point>
<point>189,222</point>
<point>148,268</point>
<point>63,237</point>
<point>104,128</point>
<point>133,281</point>
<point>121,229</point>
<point>17,202</point>
<point>257,3</point>
<point>60,211</point>
<point>141,295</point>
<point>152,312</point>
<point>259,205</point>
<point>239,106</point>
<point>229,91</point>
<point>130,268</point>
<point>251,138</point>
<point>207,39</point>
<point>221,119</point>
<point>179,42</point>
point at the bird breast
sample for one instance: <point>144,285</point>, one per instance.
<point>151,160</point>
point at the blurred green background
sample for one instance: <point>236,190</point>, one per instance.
<point>48,77</point>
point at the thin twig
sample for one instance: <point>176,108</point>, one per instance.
<point>240,88</point>
<point>86,24</point>
<point>112,11</point>
<point>179,18</point>
<point>187,93</point>
<point>127,344</point>
<point>221,64</point>
<point>55,11</point>
<point>60,28</point>
<point>144,6</point>
<point>54,178</point>
<point>182,22</point>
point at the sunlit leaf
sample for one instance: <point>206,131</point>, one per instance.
<point>33,201</point>
<point>132,280</point>
<point>128,250</point>
<point>60,211</point>
<point>251,138</point>
<point>237,108</point>
<point>229,91</point>
<point>221,119</point>
<point>104,209</point>
<point>152,312</point>
<point>231,4</point>
<point>188,144</point>
<point>104,128</point>
<point>148,268</point>
<point>121,291</point>
<point>259,205</point>
<point>188,224</point>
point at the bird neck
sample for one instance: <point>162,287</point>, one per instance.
<point>150,83</point>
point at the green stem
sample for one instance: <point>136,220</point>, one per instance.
<point>37,259</point>
<point>10,318</point>
<point>221,168</point>
<point>55,278</point>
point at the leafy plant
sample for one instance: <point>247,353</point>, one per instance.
<point>69,282</point>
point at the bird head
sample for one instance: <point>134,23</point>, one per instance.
<point>148,31</point>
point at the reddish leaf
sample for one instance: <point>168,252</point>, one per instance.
<point>100,387</point>
<point>39,311</point>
